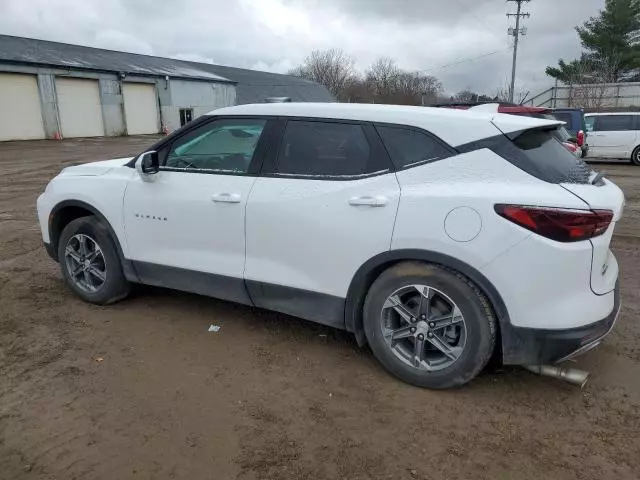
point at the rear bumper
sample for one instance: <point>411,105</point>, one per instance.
<point>528,346</point>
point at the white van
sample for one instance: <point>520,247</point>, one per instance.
<point>614,135</point>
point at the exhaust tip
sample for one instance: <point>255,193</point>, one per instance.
<point>573,376</point>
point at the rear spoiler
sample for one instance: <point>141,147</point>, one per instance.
<point>513,126</point>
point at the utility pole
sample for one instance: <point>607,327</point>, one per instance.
<point>516,32</point>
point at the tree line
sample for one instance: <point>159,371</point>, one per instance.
<point>382,82</point>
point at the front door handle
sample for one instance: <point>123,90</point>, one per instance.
<point>369,201</point>
<point>226,198</point>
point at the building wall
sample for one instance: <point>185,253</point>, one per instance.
<point>173,94</point>
<point>112,107</point>
<point>201,96</point>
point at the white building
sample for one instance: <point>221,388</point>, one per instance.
<point>50,90</point>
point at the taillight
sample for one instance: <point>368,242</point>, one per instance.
<point>572,147</point>
<point>558,224</point>
<point>580,138</point>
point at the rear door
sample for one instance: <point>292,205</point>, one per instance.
<point>613,136</point>
<point>325,204</point>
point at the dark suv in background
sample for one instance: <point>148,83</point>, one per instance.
<point>575,125</point>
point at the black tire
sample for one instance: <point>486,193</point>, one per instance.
<point>115,286</point>
<point>635,156</point>
<point>478,316</point>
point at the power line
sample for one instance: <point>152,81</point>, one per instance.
<point>516,32</point>
<point>471,59</point>
<point>471,12</point>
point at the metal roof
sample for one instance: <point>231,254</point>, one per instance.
<point>252,86</point>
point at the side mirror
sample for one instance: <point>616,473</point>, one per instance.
<point>148,163</point>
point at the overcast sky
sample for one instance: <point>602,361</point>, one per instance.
<point>276,35</point>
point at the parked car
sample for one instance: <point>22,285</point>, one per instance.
<point>614,135</point>
<point>431,234</point>
<point>575,124</point>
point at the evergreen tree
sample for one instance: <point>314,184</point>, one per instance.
<point>611,41</point>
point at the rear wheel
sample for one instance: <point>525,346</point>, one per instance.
<point>635,156</point>
<point>89,262</point>
<point>428,325</point>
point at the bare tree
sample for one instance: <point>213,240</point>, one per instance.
<point>382,78</point>
<point>588,81</point>
<point>387,83</point>
<point>466,96</point>
<point>332,68</point>
<point>383,82</point>
<point>501,94</point>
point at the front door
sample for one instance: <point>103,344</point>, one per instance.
<point>324,205</point>
<point>185,229</point>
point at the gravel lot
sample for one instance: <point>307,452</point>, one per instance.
<point>141,390</point>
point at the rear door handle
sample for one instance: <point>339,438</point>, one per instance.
<point>226,198</point>
<point>369,201</point>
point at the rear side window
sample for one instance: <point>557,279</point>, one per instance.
<point>614,123</point>
<point>565,117</point>
<point>325,149</point>
<point>590,123</point>
<point>408,147</point>
<point>539,153</point>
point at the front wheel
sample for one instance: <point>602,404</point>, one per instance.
<point>635,156</point>
<point>89,262</point>
<point>428,325</point>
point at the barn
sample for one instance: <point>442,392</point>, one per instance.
<point>57,90</point>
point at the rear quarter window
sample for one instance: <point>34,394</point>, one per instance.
<point>409,147</point>
<point>539,153</point>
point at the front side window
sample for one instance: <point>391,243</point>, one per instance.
<point>408,147</point>
<point>224,146</point>
<point>590,123</point>
<point>324,149</point>
<point>614,123</point>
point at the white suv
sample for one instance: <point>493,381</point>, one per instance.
<point>439,237</point>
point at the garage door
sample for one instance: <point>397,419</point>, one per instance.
<point>140,108</point>
<point>79,107</point>
<point>20,114</point>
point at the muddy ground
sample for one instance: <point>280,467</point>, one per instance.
<point>141,390</point>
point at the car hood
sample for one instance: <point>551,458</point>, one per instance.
<point>94,168</point>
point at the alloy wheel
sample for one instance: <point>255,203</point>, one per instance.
<point>85,263</point>
<point>423,327</point>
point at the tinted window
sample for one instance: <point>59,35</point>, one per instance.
<point>323,149</point>
<point>565,117</point>
<point>539,153</point>
<point>409,147</point>
<point>226,146</point>
<point>590,123</point>
<point>614,123</point>
<point>542,150</point>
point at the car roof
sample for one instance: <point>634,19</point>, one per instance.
<point>456,127</point>
<point>610,113</point>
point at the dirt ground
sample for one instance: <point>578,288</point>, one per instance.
<point>141,390</point>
